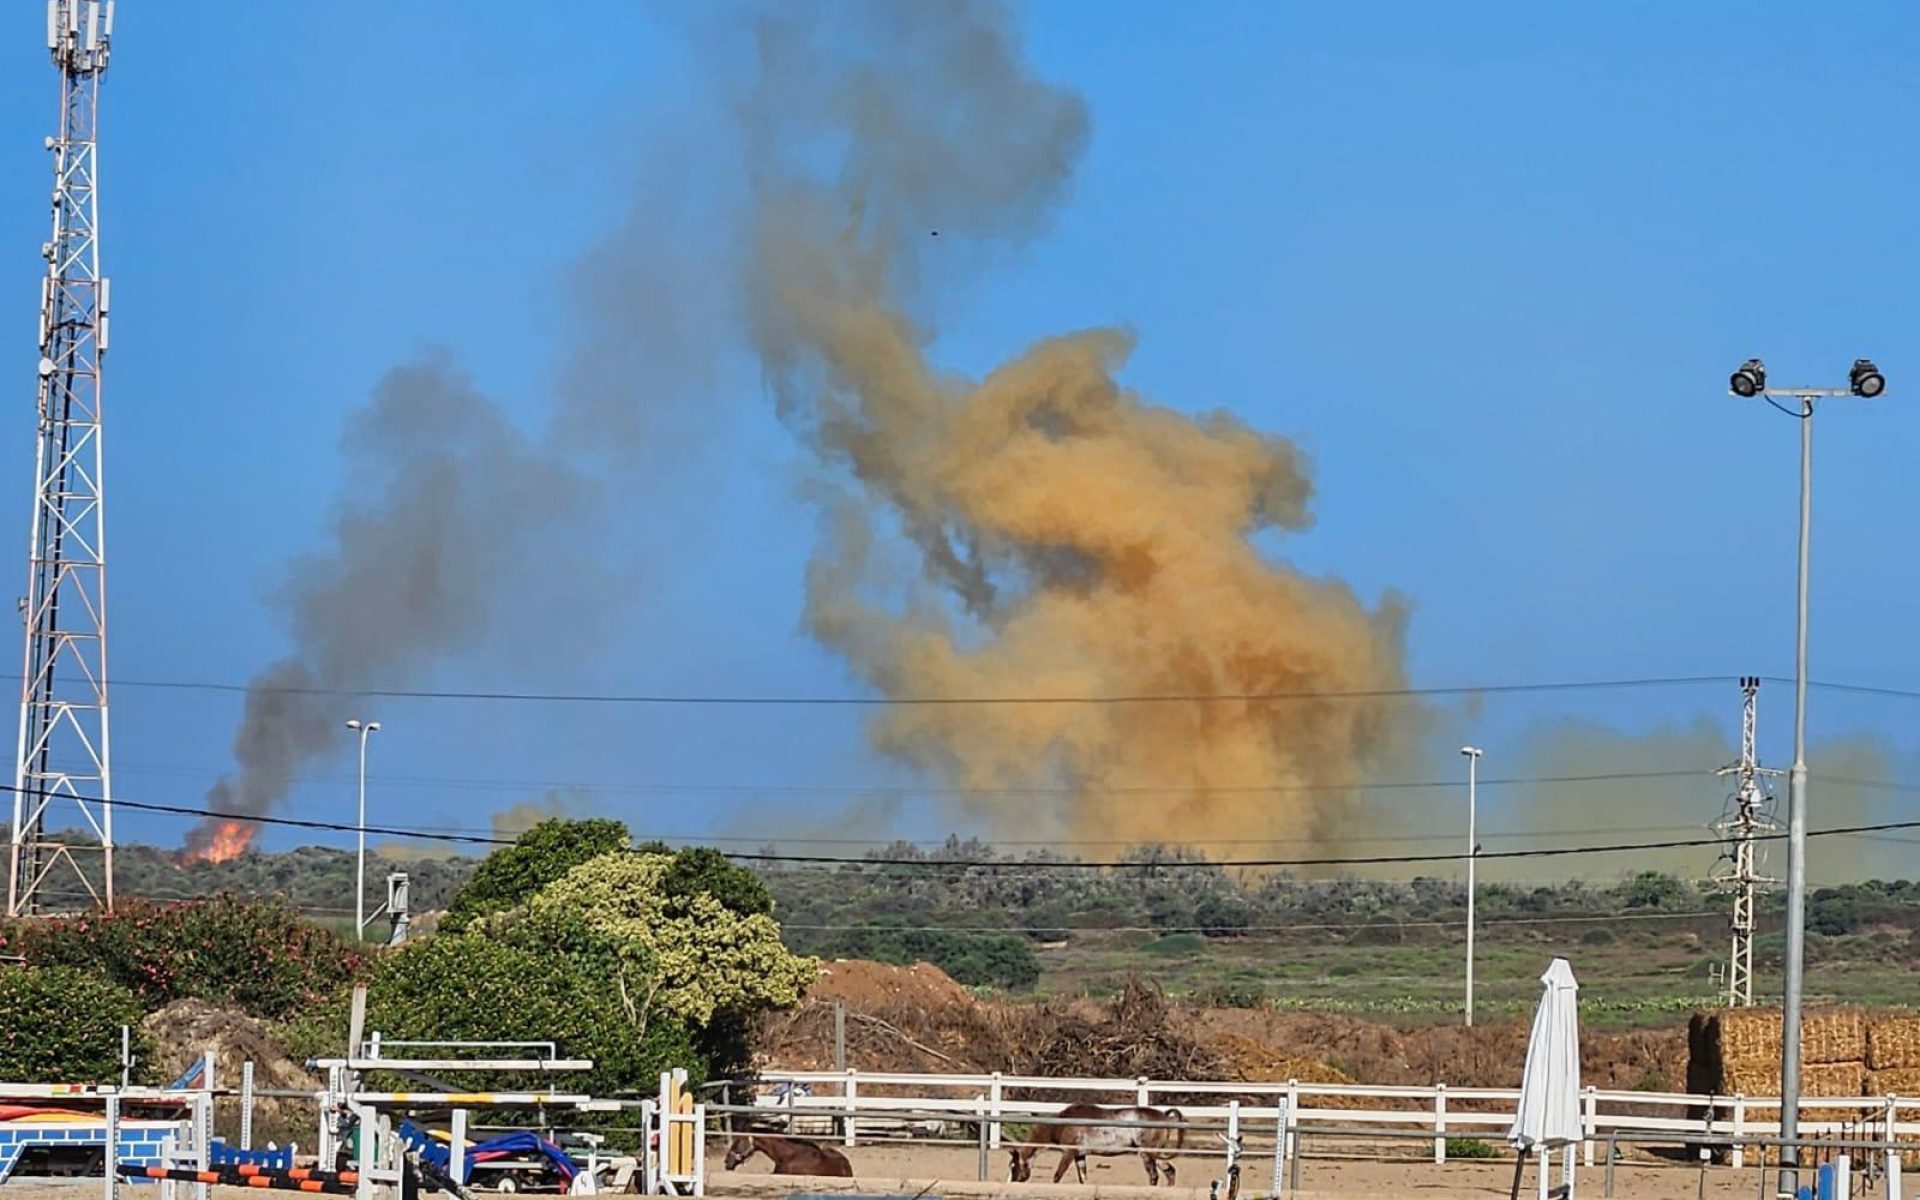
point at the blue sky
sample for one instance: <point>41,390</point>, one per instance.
<point>1489,265</point>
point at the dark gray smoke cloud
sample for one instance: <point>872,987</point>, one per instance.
<point>445,501</point>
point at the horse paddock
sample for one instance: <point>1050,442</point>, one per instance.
<point>903,1170</point>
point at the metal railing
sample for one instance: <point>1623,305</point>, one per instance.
<point>1437,1111</point>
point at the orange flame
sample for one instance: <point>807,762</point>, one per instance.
<point>224,841</point>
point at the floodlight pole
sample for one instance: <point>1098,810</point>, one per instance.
<point>1795,967</point>
<point>1472,754</point>
<point>365,729</point>
<point>1797,835</point>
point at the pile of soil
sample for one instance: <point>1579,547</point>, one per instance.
<point>184,1030</point>
<point>867,985</point>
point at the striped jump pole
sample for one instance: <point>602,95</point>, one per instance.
<point>340,1183</point>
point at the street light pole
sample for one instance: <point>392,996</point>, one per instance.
<point>1472,754</point>
<point>1750,380</point>
<point>365,729</point>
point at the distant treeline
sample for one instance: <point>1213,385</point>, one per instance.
<point>981,924</point>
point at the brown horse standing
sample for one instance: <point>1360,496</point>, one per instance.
<point>790,1156</point>
<point>1108,1131</point>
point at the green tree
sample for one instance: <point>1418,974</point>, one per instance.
<point>62,1025</point>
<point>512,874</point>
<point>689,954</point>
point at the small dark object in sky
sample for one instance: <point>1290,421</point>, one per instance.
<point>935,233</point>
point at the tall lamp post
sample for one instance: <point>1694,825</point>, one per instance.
<point>365,729</point>
<point>1750,380</point>
<point>1472,754</point>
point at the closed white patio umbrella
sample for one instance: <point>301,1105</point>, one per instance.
<point>1548,1117</point>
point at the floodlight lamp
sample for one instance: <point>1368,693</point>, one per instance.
<point>1865,379</point>
<point>1750,380</point>
<point>354,725</point>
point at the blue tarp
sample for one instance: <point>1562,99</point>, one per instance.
<point>219,1154</point>
<point>437,1154</point>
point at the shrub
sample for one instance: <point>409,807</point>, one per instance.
<point>257,955</point>
<point>512,874</point>
<point>1176,943</point>
<point>1221,916</point>
<point>1597,937</point>
<point>62,1025</point>
<point>1470,1148</point>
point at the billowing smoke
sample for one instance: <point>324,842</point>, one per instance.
<point>1065,537</point>
<point>444,500</point>
<point>1602,785</point>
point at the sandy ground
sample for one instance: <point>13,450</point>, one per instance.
<point>947,1171</point>
<point>907,1170</point>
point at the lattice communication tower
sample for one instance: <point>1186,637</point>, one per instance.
<point>62,764</point>
<point>1747,819</point>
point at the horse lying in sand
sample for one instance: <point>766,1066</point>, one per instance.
<point>790,1156</point>
<point>1109,1131</point>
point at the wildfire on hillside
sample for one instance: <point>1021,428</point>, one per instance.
<point>219,842</point>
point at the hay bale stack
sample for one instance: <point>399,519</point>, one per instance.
<point>1817,1080</point>
<point>1737,1050</point>
<point>1893,1042</point>
<point>1832,1035</point>
<point>1895,1081</point>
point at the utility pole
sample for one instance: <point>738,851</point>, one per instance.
<point>1748,818</point>
<point>1472,754</point>
<point>62,758</point>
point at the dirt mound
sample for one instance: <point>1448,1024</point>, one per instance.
<point>186,1029</point>
<point>870,985</point>
<point>918,1019</point>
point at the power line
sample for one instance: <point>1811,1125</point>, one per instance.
<point>746,700</point>
<point>1317,927</point>
<point>750,700</point>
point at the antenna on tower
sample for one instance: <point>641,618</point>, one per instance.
<point>63,750</point>
<point>1748,817</point>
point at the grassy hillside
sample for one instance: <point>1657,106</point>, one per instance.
<point>1645,948</point>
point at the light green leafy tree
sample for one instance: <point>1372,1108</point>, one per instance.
<point>683,952</point>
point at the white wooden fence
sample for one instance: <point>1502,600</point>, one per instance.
<point>997,1099</point>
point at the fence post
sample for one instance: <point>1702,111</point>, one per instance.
<point>246,1105</point>
<point>113,1146</point>
<point>1439,1122</point>
<point>1293,1119</point>
<point>1739,1155</point>
<point>993,1101</point>
<point>1280,1122</point>
<point>1589,1124</point>
<point>1142,1094</point>
<point>850,1093</point>
<point>984,1126</point>
<point>1233,1136</point>
<point>457,1147</point>
<point>169,1158</point>
<point>1893,1153</point>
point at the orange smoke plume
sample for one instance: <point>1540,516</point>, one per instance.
<point>219,842</point>
<point>1067,537</point>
